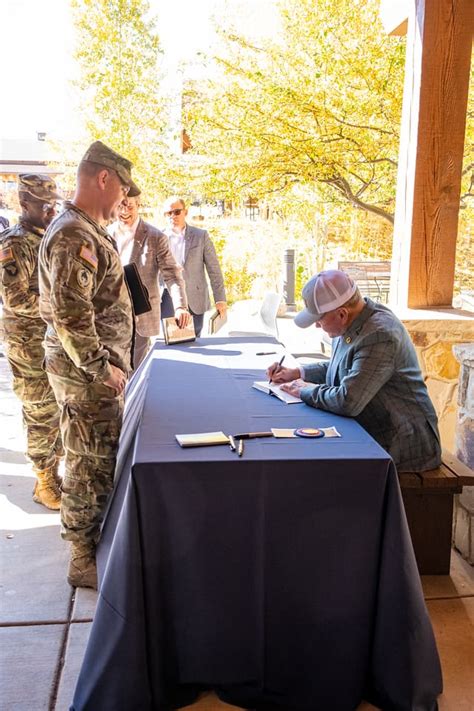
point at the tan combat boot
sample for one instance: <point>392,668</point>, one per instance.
<point>57,478</point>
<point>47,491</point>
<point>82,572</point>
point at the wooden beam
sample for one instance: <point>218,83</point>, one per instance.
<point>437,71</point>
<point>394,16</point>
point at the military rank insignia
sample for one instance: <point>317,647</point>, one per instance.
<point>88,256</point>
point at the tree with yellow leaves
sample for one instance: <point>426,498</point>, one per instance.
<point>118,56</point>
<point>318,105</point>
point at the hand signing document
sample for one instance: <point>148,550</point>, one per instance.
<point>295,386</point>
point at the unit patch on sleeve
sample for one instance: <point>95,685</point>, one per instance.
<point>84,278</point>
<point>88,256</point>
<point>11,269</point>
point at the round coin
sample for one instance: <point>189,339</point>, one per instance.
<point>309,432</point>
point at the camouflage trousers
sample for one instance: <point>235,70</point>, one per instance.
<point>91,419</point>
<point>40,410</point>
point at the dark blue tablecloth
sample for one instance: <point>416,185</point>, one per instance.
<point>284,579</point>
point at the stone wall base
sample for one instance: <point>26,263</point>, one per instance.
<point>463,527</point>
<point>434,338</point>
<point>444,346</point>
<point>464,504</point>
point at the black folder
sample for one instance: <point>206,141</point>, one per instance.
<point>137,289</point>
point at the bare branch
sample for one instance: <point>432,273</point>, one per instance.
<point>342,186</point>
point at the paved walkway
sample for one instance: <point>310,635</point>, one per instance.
<point>44,624</point>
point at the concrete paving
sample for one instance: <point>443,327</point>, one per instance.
<point>75,645</point>
<point>30,657</point>
<point>44,624</point>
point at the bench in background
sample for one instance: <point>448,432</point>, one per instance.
<point>372,278</point>
<point>428,498</point>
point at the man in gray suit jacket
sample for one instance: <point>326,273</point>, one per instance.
<point>193,250</point>
<point>373,374</point>
<point>141,243</point>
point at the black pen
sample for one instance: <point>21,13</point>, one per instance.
<point>240,450</point>
<point>232,443</point>
<point>267,353</point>
<point>251,435</point>
<point>279,364</point>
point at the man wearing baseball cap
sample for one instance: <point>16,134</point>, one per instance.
<point>25,330</point>
<point>373,374</point>
<point>86,304</point>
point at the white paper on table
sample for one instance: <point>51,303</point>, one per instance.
<point>330,432</point>
<point>281,432</point>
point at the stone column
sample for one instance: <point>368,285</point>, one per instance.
<point>434,334</point>
<point>464,503</point>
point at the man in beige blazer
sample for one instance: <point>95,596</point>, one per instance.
<point>141,243</point>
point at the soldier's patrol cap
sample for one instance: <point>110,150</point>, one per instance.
<point>101,154</point>
<point>41,187</point>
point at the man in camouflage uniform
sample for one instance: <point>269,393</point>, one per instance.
<point>24,332</point>
<point>88,345</point>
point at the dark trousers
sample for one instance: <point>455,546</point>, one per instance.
<point>140,349</point>
<point>167,310</point>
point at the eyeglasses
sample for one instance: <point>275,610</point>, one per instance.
<point>126,204</point>
<point>49,206</point>
<point>176,212</point>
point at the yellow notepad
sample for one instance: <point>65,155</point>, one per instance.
<point>202,439</point>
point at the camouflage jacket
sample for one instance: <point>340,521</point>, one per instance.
<point>19,248</point>
<point>84,298</point>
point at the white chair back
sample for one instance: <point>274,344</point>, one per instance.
<point>262,323</point>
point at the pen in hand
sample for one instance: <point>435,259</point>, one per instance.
<point>279,364</point>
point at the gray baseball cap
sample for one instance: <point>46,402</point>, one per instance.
<point>324,292</point>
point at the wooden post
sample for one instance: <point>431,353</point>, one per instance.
<point>437,71</point>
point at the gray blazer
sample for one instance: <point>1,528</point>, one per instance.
<point>152,254</point>
<point>200,254</point>
<point>374,376</point>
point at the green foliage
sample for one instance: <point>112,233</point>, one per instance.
<point>250,255</point>
<point>318,106</point>
<point>306,122</point>
<point>463,280</point>
<point>118,54</point>
<point>464,269</point>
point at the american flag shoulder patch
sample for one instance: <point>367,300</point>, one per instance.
<point>88,256</point>
<point>6,254</point>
